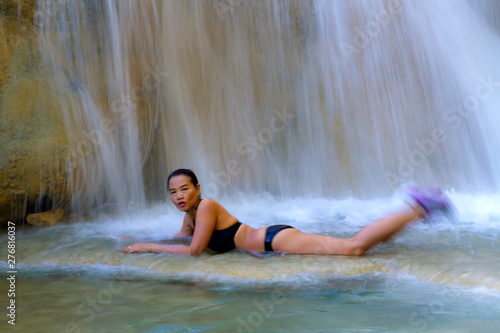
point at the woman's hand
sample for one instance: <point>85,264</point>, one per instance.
<point>137,247</point>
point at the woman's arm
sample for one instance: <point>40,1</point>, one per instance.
<point>206,218</point>
<point>187,229</point>
<point>157,248</point>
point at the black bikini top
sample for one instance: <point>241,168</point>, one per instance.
<point>223,240</point>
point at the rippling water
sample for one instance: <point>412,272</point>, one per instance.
<point>441,277</point>
<point>296,98</point>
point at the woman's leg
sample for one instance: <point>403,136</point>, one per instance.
<point>295,241</point>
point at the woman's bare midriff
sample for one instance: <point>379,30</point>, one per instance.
<point>246,237</point>
<point>250,239</point>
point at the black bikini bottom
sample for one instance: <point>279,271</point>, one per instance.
<point>271,232</point>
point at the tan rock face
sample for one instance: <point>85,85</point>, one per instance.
<point>32,134</point>
<point>34,145</point>
<point>45,219</point>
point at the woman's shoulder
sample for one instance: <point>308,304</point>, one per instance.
<point>214,208</point>
<point>210,206</point>
<point>209,203</point>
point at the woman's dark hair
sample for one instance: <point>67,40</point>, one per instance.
<point>185,172</point>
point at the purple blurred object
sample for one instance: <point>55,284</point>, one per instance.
<point>432,200</point>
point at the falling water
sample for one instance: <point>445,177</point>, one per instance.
<point>289,97</point>
<point>328,106</point>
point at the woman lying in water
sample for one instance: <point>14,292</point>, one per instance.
<point>212,226</point>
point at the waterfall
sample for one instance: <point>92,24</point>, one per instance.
<point>101,62</point>
<point>294,98</point>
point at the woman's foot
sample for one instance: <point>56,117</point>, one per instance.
<point>432,200</point>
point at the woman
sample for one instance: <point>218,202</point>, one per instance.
<point>212,226</point>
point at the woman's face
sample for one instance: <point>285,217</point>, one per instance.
<point>183,193</point>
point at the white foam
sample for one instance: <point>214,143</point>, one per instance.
<point>476,212</point>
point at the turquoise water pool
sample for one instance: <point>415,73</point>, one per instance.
<point>429,278</point>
